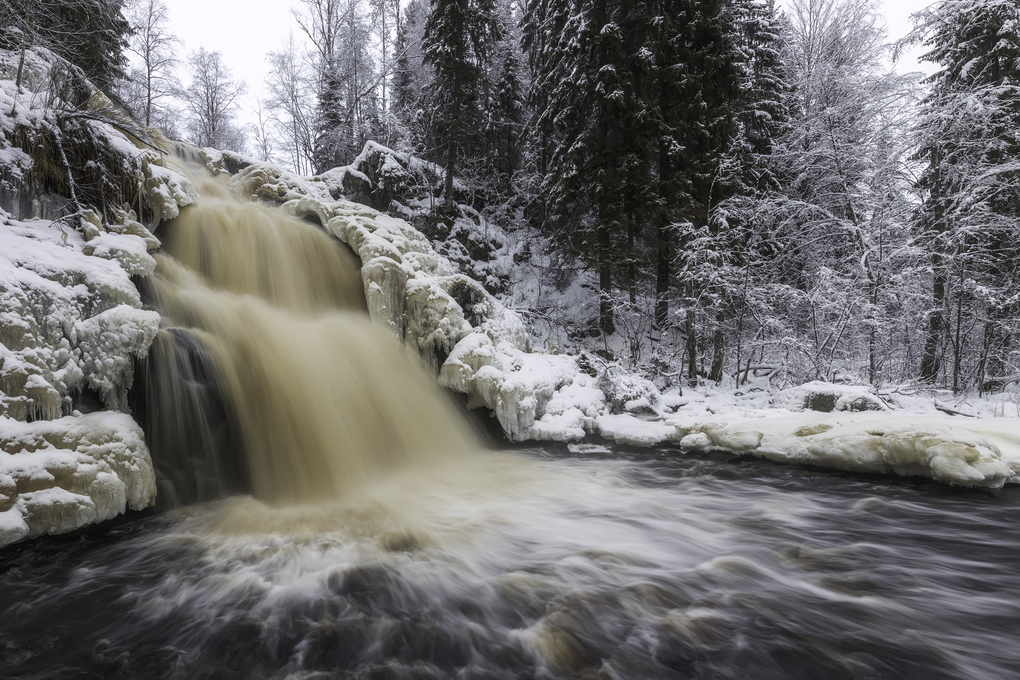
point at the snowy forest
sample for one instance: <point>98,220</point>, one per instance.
<point>706,190</point>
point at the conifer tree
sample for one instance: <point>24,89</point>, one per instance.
<point>504,106</point>
<point>699,98</point>
<point>593,104</point>
<point>411,74</point>
<point>91,34</point>
<point>458,37</point>
<point>970,136</point>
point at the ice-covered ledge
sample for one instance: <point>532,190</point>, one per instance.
<point>61,475</point>
<point>960,451</point>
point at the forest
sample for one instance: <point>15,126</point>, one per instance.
<point>738,189</point>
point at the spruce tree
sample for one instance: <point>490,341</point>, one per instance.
<point>411,75</point>
<point>969,133</point>
<point>699,99</point>
<point>504,106</point>
<point>91,34</point>
<point>594,108</point>
<point>458,37</point>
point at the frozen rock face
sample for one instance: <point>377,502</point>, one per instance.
<point>60,475</point>
<point>71,321</point>
<point>67,321</point>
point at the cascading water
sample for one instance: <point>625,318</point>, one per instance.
<point>322,398</point>
<point>379,544</point>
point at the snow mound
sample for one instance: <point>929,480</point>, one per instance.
<point>60,475</point>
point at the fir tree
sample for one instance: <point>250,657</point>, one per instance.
<point>593,106</point>
<point>699,99</point>
<point>970,136</point>
<point>91,34</point>
<point>458,37</point>
<point>504,106</point>
<point>411,75</point>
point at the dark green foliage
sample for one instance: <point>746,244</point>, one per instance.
<point>91,34</point>
<point>504,105</point>
<point>458,37</point>
<point>595,116</point>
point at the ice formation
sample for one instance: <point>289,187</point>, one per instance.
<point>71,321</point>
<point>482,349</point>
<point>60,475</point>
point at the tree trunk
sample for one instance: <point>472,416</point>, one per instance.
<point>718,346</point>
<point>664,258</point>
<point>17,80</point>
<point>692,341</point>
<point>631,265</point>
<point>958,354</point>
<point>873,337</point>
<point>451,161</point>
<point>605,286</point>
<point>929,358</point>
<point>663,242</point>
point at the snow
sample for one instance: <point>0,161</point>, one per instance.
<point>951,450</point>
<point>71,319</point>
<point>108,343</point>
<point>68,318</point>
<point>129,251</point>
<point>823,396</point>
<point>624,428</point>
<point>484,350</point>
<point>60,475</point>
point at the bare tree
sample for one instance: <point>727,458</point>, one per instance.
<point>155,46</point>
<point>291,83</point>
<point>263,138</point>
<point>211,101</point>
<point>845,181</point>
<point>385,20</point>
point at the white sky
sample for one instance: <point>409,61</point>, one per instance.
<point>244,31</point>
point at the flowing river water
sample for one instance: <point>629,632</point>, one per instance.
<point>368,535</point>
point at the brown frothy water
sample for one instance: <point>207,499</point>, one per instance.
<point>324,399</point>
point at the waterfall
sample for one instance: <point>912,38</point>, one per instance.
<point>267,342</point>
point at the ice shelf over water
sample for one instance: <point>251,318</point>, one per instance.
<point>60,475</point>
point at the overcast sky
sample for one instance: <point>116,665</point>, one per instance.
<point>244,31</point>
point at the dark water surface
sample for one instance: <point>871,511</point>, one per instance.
<point>539,564</point>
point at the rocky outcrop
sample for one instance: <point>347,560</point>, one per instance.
<point>71,321</point>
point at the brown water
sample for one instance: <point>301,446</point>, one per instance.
<point>321,397</point>
<point>380,544</point>
<point>607,565</point>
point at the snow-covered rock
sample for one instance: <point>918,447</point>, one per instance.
<point>827,397</point>
<point>60,475</point>
<point>70,317</point>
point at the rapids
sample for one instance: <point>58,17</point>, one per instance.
<point>539,564</point>
<point>336,519</point>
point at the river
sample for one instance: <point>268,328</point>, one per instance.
<point>539,563</point>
